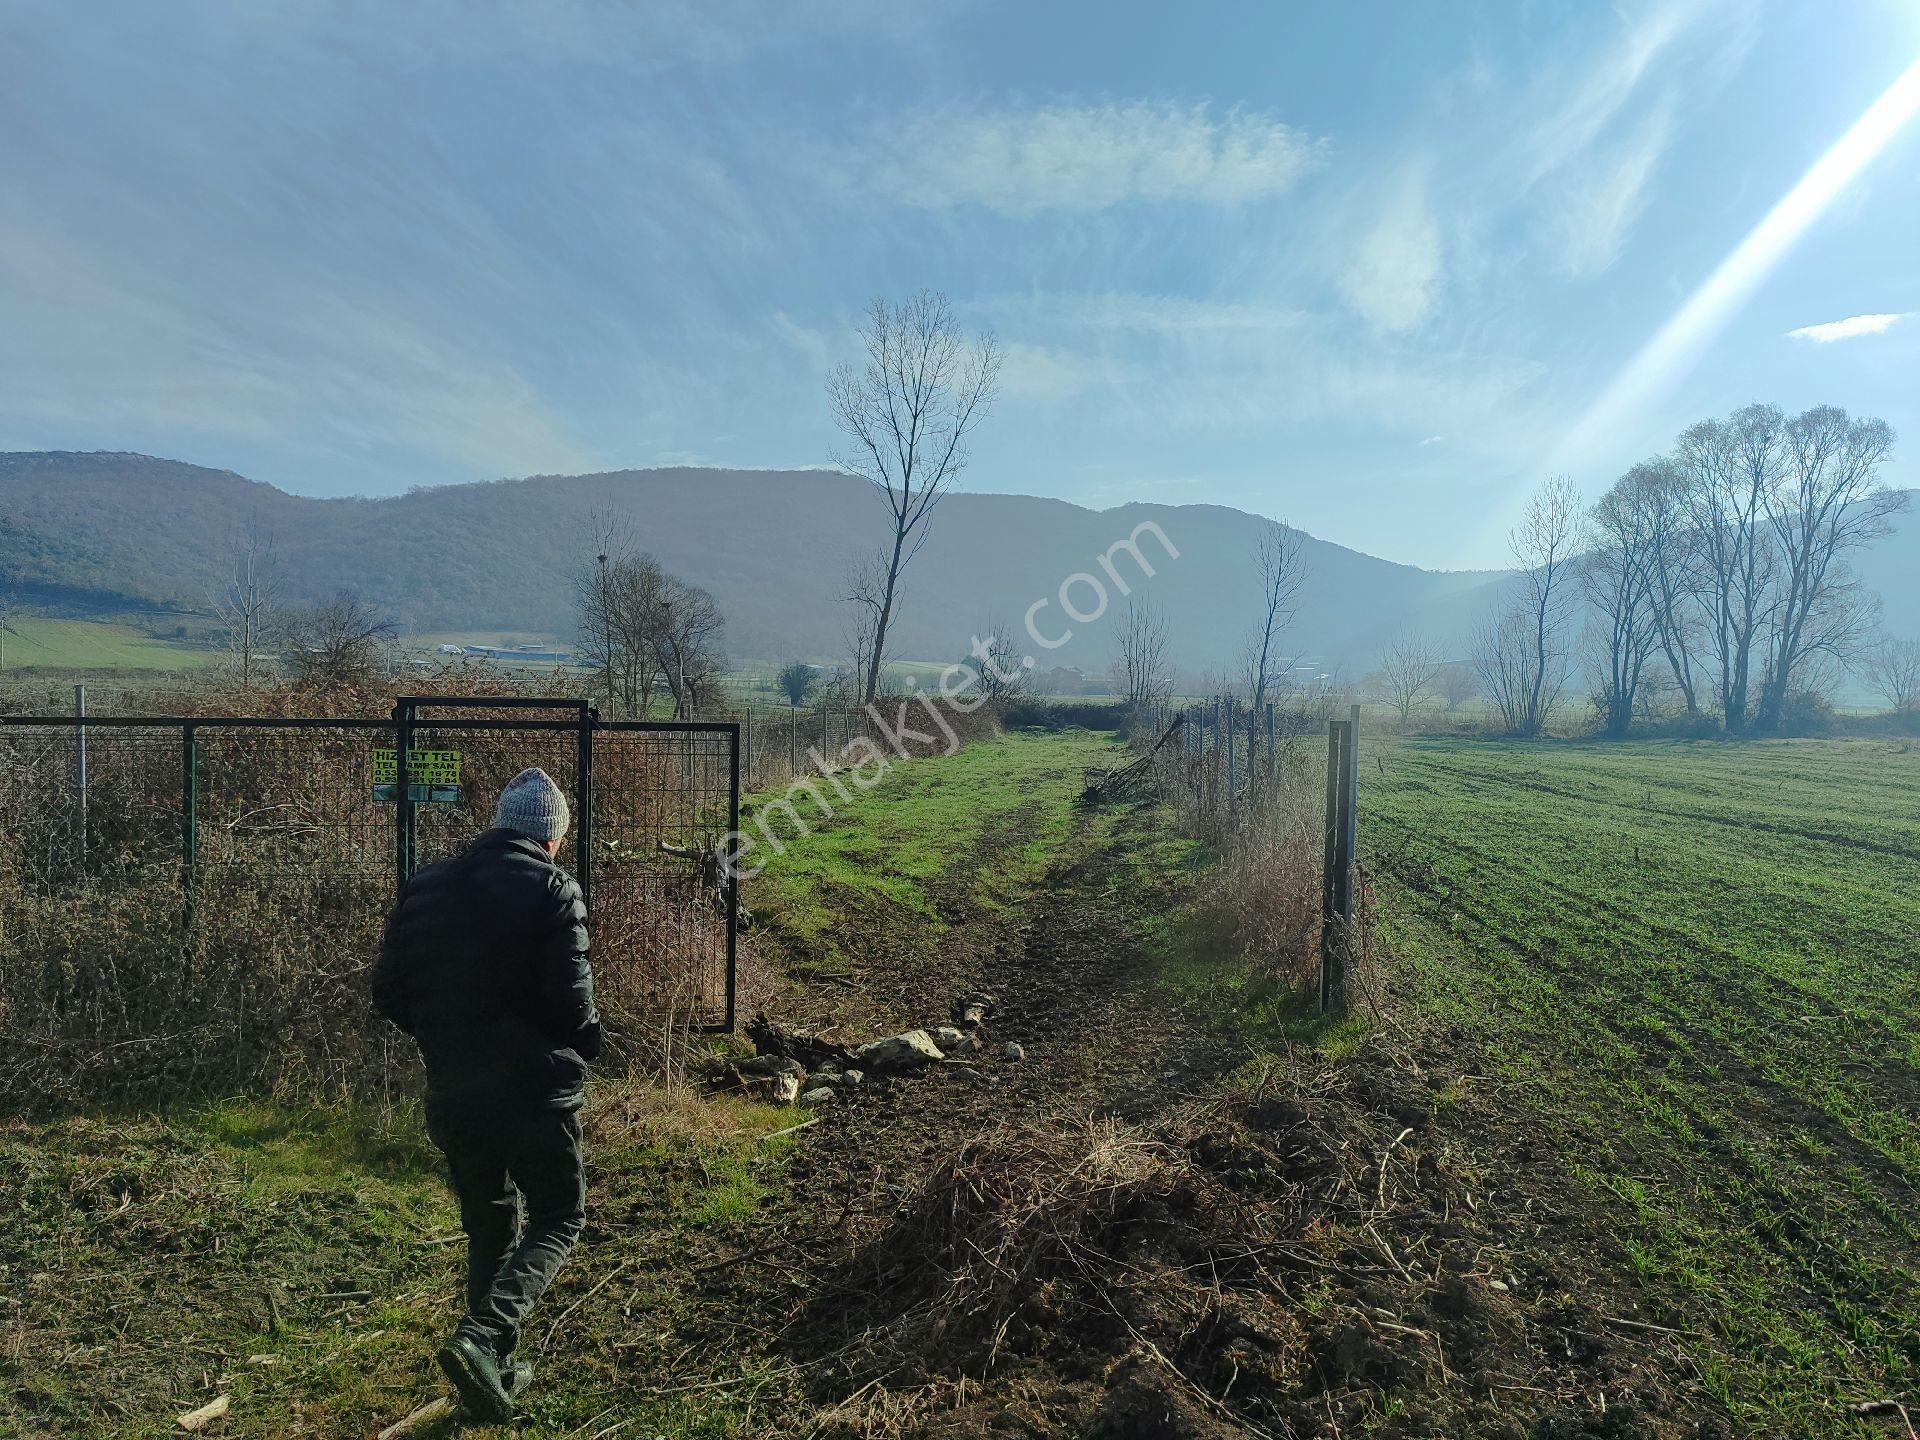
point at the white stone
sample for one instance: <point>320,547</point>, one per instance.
<point>906,1051</point>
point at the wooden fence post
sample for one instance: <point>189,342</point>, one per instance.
<point>1336,928</point>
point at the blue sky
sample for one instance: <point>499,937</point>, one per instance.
<point>1373,269</point>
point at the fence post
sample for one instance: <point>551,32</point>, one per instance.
<point>1226,733</point>
<point>189,818</point>
<point>793,739</point>
<point>1332,916</point>
<point>80,770</point>
<point>402,793</point>
<point>1273,767</point>
<point>1343,805</point>
<point>583,801</point>
<point>733,876</point>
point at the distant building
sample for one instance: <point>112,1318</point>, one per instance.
<point>518,654</point>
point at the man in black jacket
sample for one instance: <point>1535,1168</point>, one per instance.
<point>484,964</point>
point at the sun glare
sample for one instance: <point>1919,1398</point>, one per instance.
<point>1679,342</point>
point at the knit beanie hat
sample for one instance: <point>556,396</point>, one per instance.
<point>533,805</point>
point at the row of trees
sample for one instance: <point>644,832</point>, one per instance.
<point>1720,571</point>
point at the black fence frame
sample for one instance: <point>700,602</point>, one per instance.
<point>583,721</point>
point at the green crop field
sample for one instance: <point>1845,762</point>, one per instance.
<point>1693,967</point>
<point>94,645</point>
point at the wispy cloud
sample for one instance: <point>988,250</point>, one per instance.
<point>1851,328</point>
<point>1076,157</point>
<point>1394,278</point>
<point>1594,209</point>
<point>1431,440</point>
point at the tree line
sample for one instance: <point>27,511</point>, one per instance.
<point>1717,576</point>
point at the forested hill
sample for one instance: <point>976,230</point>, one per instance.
<point>772,546</point>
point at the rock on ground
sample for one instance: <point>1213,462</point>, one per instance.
<point>907,1051</point>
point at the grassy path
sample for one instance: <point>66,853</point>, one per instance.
<point>1695,964</point>
<point>305,1261</point>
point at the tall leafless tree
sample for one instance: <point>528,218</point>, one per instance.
<point>1827,501</point>
<point>1409,667</point>
<point>1521,654</point>
<point>907,414</point>
<point>687,634</point>
<point>1892,668</point>
<point>1729,467</point>
<point>1279,558</point>
<point>1617,575</point>
<point>247,604</point>
<point>1141,641</point>
<point>1659,486</point>
<point>1501,657</point>
<point>619,613</point>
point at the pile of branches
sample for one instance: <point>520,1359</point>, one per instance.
<point>1300,1257</point>
<point>1103,785</point>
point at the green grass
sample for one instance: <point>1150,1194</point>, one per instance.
<point>306,1260</point>
<point>95,645</point>
<point>917,840</point>
<point>1693,962</point>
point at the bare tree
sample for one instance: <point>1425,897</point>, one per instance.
<point>907,414</point>
<point>247,604</point>
<point>1501,656</point>
<point>1142,643</point>
<point>342,643</point>
<point>1892,668</point>
<point>685,633</point>
<point>999,666</point>
<point>1280,559</point>
<point>1729,467</point>
<point>1458,684</point>
<point>1542,544</point>
<point>866,593</point>
<point>620,591</point>
<point>1408,671</point>
<point>1826,502</point>
<point>1673,571</point>
<point>1617,574</point>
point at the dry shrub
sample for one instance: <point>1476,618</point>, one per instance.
<point>114,981</point>
<point>1263,905</point>
<point>1324,1240</point>
<point>1025,1235</point>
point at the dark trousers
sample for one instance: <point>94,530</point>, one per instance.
<point>492,1154</point>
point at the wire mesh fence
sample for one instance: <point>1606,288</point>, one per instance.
<point>780,745</point>
<point>195,902</point>
<point>1223,752</point>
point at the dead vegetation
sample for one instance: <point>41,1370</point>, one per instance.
<point>1324,1250</point>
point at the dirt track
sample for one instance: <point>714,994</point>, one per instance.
<point>1246,1270</point>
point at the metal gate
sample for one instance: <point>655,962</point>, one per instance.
<point>653,801</point>
<point>279,842</point>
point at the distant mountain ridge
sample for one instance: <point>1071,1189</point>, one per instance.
<point>772,546</point>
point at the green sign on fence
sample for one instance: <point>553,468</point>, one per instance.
<point>433,775</point>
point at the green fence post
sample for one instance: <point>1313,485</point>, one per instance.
<point>189,818</point>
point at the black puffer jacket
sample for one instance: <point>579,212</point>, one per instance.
<point>484,963</point>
